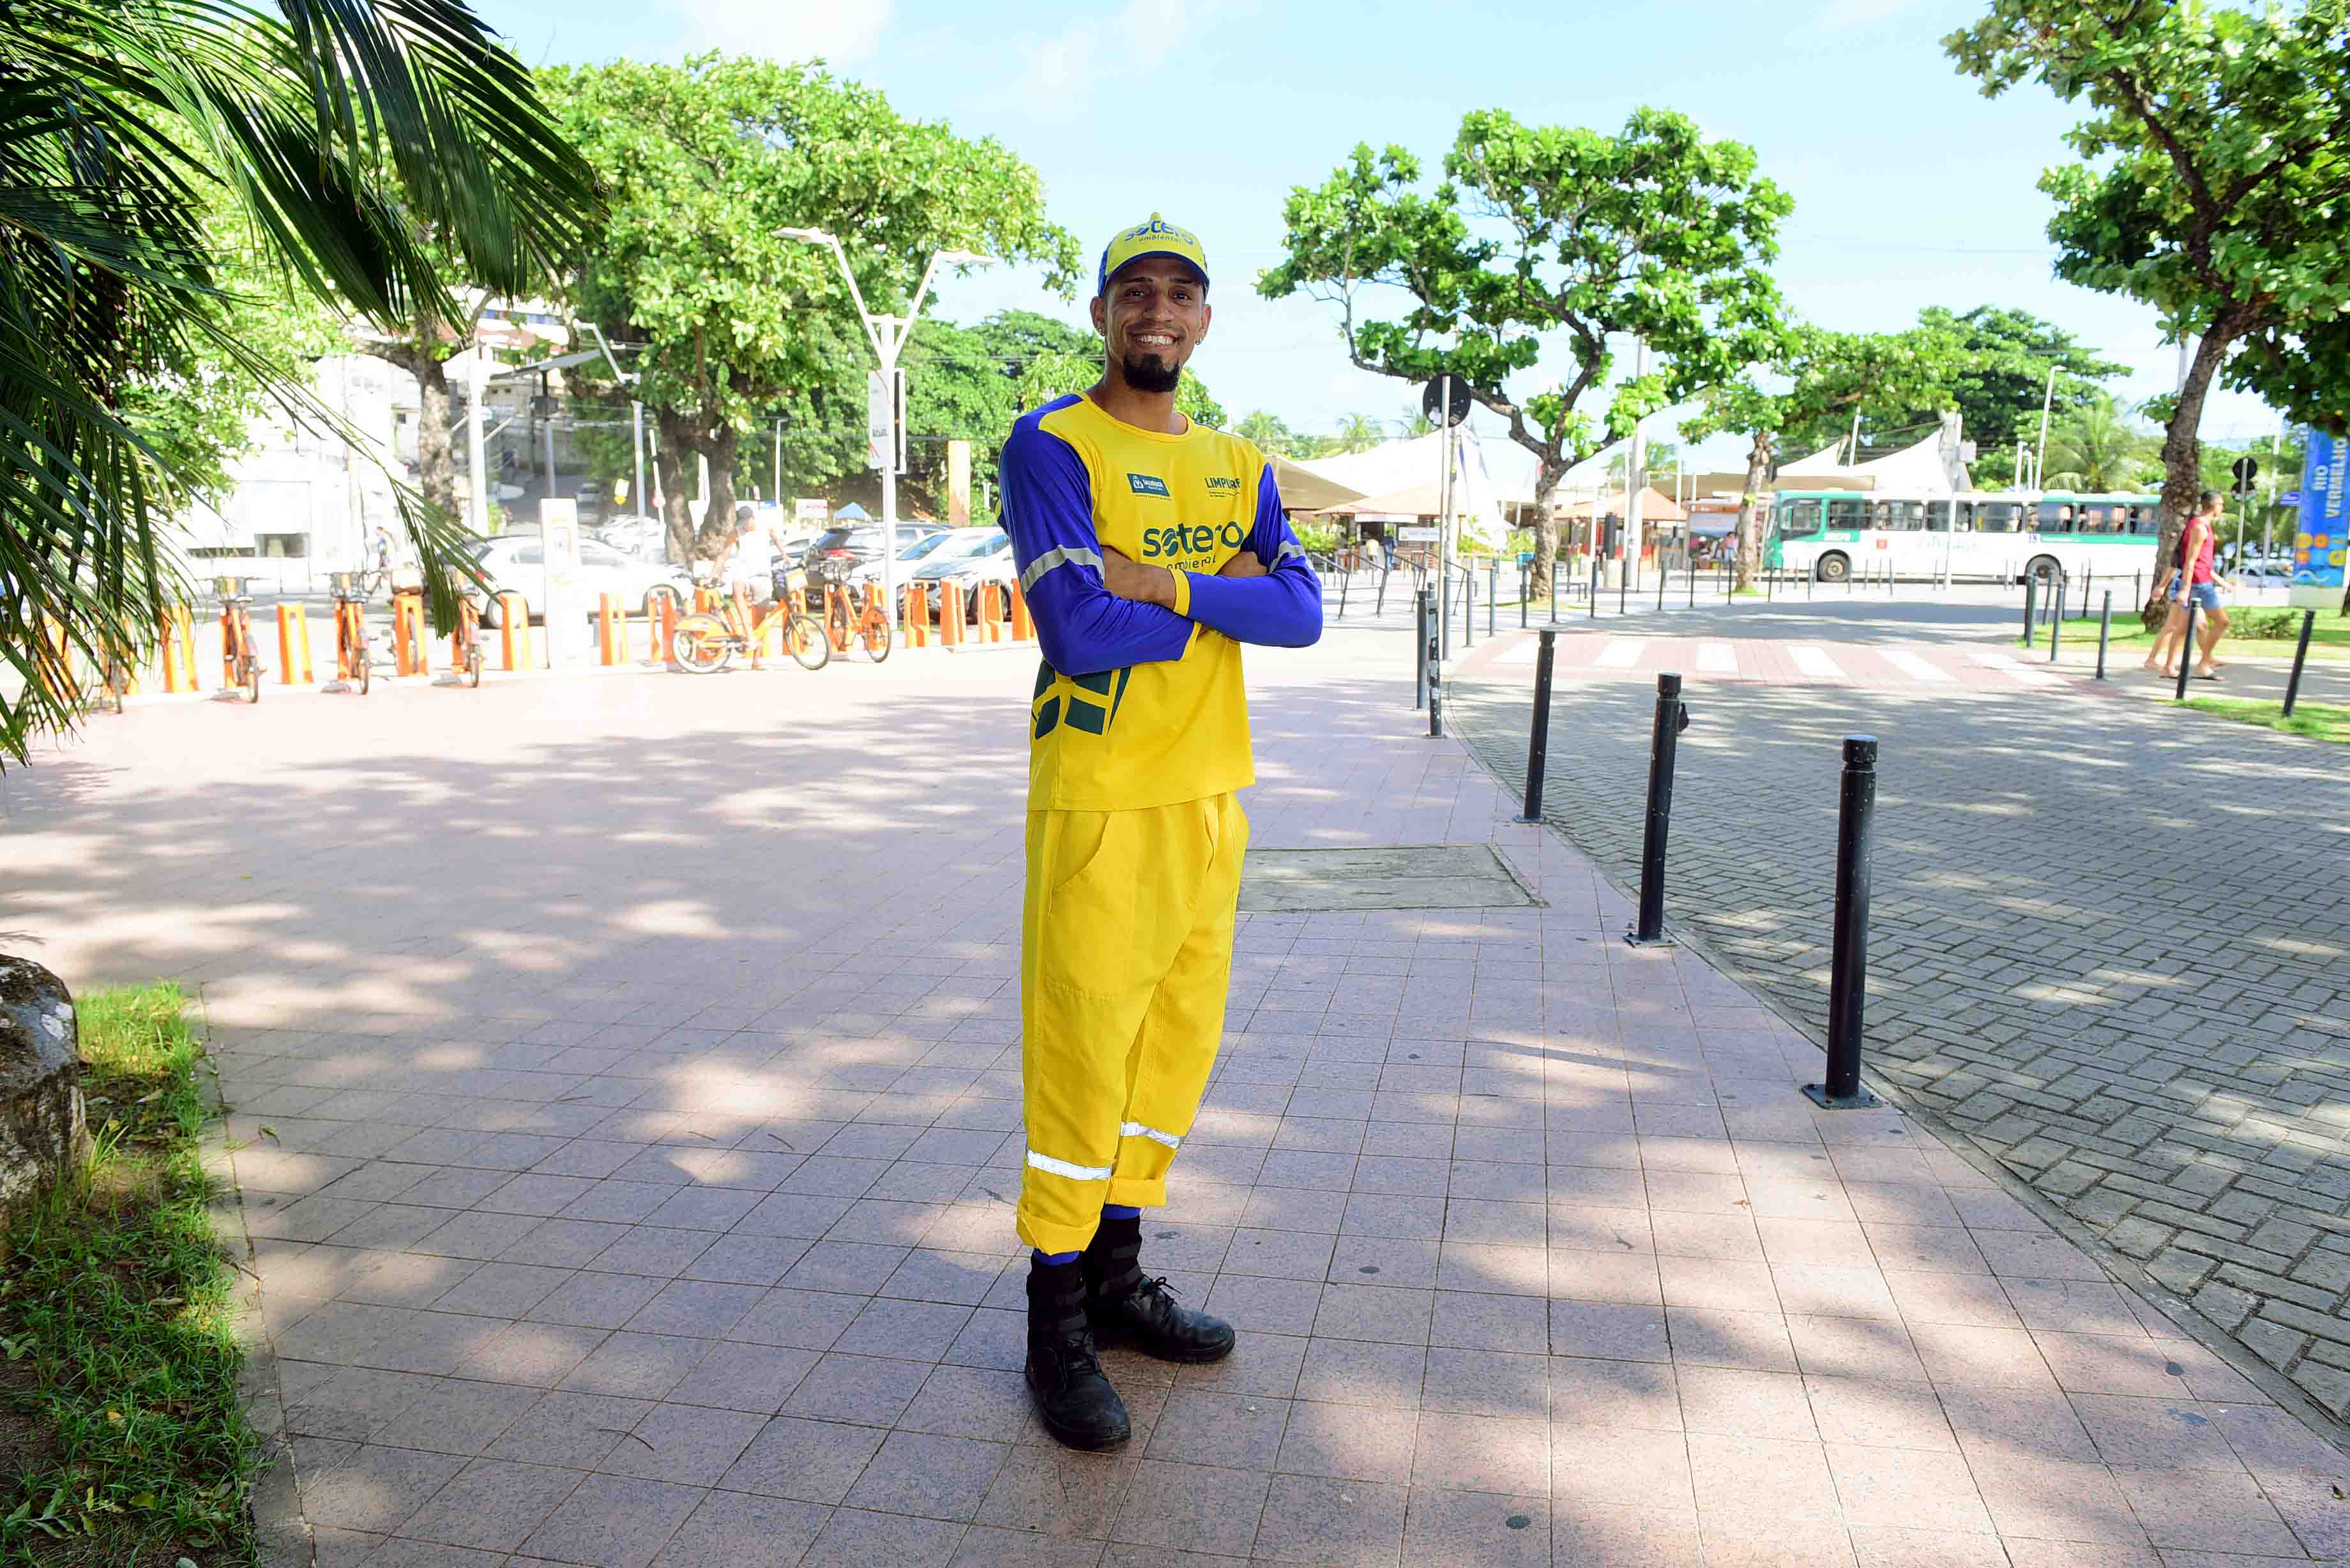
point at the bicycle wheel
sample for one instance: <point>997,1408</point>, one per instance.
<point>877,634</point>
<point>703,645</point>
<point>117,678</point>
<point>473,666</point>
<point>803,635</point>
<point>250,668</point>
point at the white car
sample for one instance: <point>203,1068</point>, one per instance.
<point>969,557</point>
<point>514,564</point>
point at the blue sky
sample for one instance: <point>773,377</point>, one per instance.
<point>1910,188</point>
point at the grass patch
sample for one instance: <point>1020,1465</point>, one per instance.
<point>119,1389</point>
<point>2276,627</point>
<point>2317,720</point>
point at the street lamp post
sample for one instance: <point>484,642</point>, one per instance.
<point>636,424</point>
<point>888,335</point>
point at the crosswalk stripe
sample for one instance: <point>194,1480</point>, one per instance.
<point>1716,658</point>
<point>2008,665</point>
<point>1909,664</point>
<point>1523,652</point>
<point>1815,661</point>
<point>1621,652</point>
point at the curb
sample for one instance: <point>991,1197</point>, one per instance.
<point>282,1534</point>
<point>2287,1394</point>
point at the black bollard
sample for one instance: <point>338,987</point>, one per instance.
<point>1848,976</point>
<point>1663,572</point>
<point>1693,582</point>
<point>1525,592</point>
<point>1379,606</point>
<point>1345,581</point>
<point>2056,621</point>
<point>1770,584</point>
<point>1554,587</point>
<point>2031,606</point>
<point>2104,631</point>
<point>1624,586</point>
<point>1493,591</point>
<point>1664,746</point>
<point>1812,584</point>
<point>2300,658</point>
<point>2185,650</point>
<point>1420,648</point>
<point>1594,587</point>
<point>2088,581</point>
<point>1538,739</point>
<point>1435,654</point>
<point>1468,609</point>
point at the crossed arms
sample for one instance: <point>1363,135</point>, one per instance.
<point>1095,610</point>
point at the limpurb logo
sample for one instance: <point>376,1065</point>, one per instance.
<point>1147,485</point>
<point>1222,481</point>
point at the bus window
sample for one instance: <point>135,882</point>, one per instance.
<point>1847,512</point>
<point>1798,518</point>
<point>1898,516</point>
<point>2101,517</point>
<point>1999,517</point>
<point>2146,519</point>
<point>2056,517</point>
<point>1937,516</point>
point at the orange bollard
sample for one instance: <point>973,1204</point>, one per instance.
<point>705,602</point>
<point>665,633</point>
<point>1023,628</point>
<point>918,615</point>
<point>990,613</point>
<point>293,646</point>
<point>175,640</point>
<point>411,650</point>
<point>607,628</point>
<point>513,630</point>
<point>50,658</point>
<point>950,615</point>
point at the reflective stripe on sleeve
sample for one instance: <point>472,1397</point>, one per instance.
<point>1046,1162</point>
<point>1289,547</point>
<point>1136,1129</point>
<point>1059,556</point>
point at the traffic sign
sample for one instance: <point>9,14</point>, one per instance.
<point>2290,498</point>
<point>1445,409</point>
<point>2246,470</point>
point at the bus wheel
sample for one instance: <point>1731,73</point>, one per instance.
<point>1833,568</point>
<point>2045,568</point>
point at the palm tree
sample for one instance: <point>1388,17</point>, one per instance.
<point>360,138</point>
<point>2095,450</point>
<point>1359,432</point>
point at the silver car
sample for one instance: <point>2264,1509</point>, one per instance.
<point>514,564</point>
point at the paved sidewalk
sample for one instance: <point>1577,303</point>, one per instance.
<point>626,1075</point>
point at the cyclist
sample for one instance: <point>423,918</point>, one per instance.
<point>750,557</point>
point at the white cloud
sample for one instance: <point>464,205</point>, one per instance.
<point>1066,69</point>
<point>841,31</point>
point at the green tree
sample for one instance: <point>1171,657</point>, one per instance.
<point>705,162</point>
<point>2213,185</point>
<point>1270,434</point>
<point>340,132</point>
<point>1656,231</point>
<point>2002,376</point>
<point>1821,378</point>
<point>2093,448</point>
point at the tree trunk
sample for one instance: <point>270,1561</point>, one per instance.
<point>674,463</point>
<point>1750,507</point>
<point>436,471</point>
<point>722,447</point>
<point>1547,478</point>
<point>2182,459</point>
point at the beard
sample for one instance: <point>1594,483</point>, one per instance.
<point>1149,372</point>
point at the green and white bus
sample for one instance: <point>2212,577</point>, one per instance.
<point>2002,535</point>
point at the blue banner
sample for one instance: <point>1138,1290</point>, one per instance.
<point>2322,539</point>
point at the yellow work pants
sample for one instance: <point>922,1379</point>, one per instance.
<point>1126,952</point>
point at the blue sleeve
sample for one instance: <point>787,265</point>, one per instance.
<point>1283,607</point>
<point>1048,510</point>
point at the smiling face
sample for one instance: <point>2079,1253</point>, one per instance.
<point>1152,314</point>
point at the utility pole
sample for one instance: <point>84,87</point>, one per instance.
<point>2040,458</point>
<point>477,382</point>
<point>1636,476</point>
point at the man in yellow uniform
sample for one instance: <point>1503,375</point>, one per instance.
<point>1150,549</point>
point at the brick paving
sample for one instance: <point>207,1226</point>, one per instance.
<point>2167,1058</point>
<point>624,1076</point>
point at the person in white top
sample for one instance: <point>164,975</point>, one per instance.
<point>751,556</point>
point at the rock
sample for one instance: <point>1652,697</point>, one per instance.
<point>42,1127</point>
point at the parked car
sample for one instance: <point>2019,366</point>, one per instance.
<point>514,563</point>
<point>844,548</point>
<point>594,499</point>
<point>970,557</point>
<point>646,537</point>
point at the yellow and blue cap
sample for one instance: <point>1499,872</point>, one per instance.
<point>1156,238</point>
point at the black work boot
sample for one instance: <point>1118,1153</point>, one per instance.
<point>1074,1400</point>
<point>1128,1309</point>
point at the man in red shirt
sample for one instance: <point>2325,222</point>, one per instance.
<point>2192,573</point>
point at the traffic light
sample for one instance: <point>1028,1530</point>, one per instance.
<point>2246,470</point>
